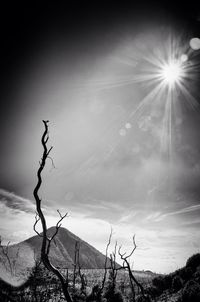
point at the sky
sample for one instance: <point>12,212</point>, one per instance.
<point>126,151</point>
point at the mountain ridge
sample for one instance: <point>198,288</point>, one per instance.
<point>62,250</point>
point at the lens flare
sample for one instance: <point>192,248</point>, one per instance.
<point>163,72</point>
<point>195,43</point>
<point>172,73</point>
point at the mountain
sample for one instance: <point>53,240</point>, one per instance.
<point>15,268</point>
<point>62,250</point>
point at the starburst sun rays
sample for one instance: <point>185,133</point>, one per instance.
<point>163,72</point>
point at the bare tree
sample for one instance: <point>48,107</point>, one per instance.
<point>113,267</point>
<point>126,265</point>
<point>75,265</point>
<point>106,261</point>
<point>46,240</point>
<point>4,249</point>
<point>97,291</point>
<point>10,263</point>
<point>81,275</point>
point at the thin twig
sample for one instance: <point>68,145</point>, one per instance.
<point>58,225</point>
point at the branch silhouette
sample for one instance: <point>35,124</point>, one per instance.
<point>126,265</point>
<point>46,241</point>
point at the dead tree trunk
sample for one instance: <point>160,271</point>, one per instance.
<point>113,268</point>
<point>126,265</point>
<point>46,241</point>
<point>81,275</point>
<point>106,261</point>
<point>75,266</point>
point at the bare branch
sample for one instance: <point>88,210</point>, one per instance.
<point>126,265</point>
<point>37,218</point>
<point>46,242</point>
<point>106,260</point>
<point>75,264</point>
<point>58,225</point>
<point>61,218</point>
<point>47,138</point>
<point>52,162</point>
<point>49,151</point>
<point>131,253</point>
<point>113,269</point>
<point>6,254</point>
<point>81,275</point>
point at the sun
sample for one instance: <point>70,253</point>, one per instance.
<point>172,73</point>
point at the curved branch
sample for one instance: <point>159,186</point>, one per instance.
<point>45,240</point>
<point>37,218</point>
<point>126,265</point>
<point>58,225</point>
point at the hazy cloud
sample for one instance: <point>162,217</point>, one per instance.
<point>189,209</point>
<point>15,202</point>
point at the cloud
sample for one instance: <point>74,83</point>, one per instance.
<point>17,216</point>
<point>153,216</point>
<point>98,215</point>
<point>15,202</point>
<point>186,210</point>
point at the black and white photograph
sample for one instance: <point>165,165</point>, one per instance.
<point>100,151</point>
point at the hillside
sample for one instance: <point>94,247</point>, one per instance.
<point>61,252</point>
<point>183,285</point>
